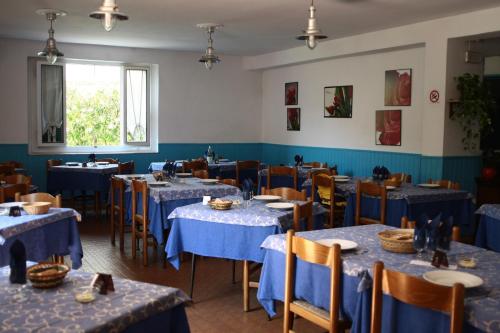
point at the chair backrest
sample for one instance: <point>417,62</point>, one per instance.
<point>415,291</point>
<point>303,212</point>
<point>140,187</point>
<point>456,234</point>
<point>372,190</point>
<point>392,182</point>
<point>6,169</point>
<point>247,165</point>
<point>41,196</point>
<point>314,253</point>
<point>402,177</point>
<point>194,165</point>
<point>8,193</point>
<point>126,168</point>
<point>51,163</point>
<point>107,159</point>
<point>117,190</point>
<point>324,186</point>
<point>227,181</point>
<point>203,174</point>
<point>17,179</point>
<point>286,193</point>
<point>444,183</point>
<point>282,171</point>
<point>316,164</point>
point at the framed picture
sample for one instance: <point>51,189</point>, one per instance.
<point>398,87</point>
<point>338,102</point>
<point>293,119</point>
<point>388,127</point>
<point>291,93</point>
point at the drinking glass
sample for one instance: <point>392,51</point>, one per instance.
<point>419,242</point>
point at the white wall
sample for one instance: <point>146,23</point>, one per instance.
<point>195,105</point>
<point>367,74</point>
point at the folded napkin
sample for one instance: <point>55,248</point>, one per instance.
<point>247,188</point>
<point>429,264</point>
<point>17,262</point>
<point>432,232</point>
<point>376,172</point>
<point>299,160</point>
<point>92,158</point>
<point>445,229</point>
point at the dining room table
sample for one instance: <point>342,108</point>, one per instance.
<point>303,174</point>
<point>482,303</point>
<point>488,229</point>
<point>53,233</point>
<point>408,200</point>
<point>164,199</point>
<point>132,308</point>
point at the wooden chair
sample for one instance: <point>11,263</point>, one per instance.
<point>282,171</point>
<point>318,254</point>
<point>117,216</point>
<point>316,164</point>
<point>107,159</point>
<point>56,201</point>
<point>444,183</point>
<point>8,193</point>
<point>324,186</point>
<point>140,222</point>
<point>373,190</point>
<point>202,174</point>
<point>6,169</point>
<point>12,163</point>
<point>402,177</point>
<point>247,165</point>
<point>286,193</point>
<point>455,231</point>
<point>17,179</point>
<point>303,212</point>
<point>227,181</point>
<point>415,291</point>
<point>126,168</point>
<point>392,182</point>
<point>194,165</point>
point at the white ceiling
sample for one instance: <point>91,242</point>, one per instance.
<point>251,26</point>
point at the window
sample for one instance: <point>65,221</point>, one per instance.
<point>86,106</point>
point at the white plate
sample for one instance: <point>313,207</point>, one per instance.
<point>344,243</point>
<point>72,164</point>
<point>12,204</point>
<point>341,176</point>
<point>429,185</point>
<point>342,180</point>
<point>158,184</point>
<point>267,197</point>
<point>223,160</point>
<point>184,174</point>
<point>448,278</point>
<point>209,181</point>
<point>280,205</point>
<point>390,187</point>
<point>102,163</point>
<point>306,166</point>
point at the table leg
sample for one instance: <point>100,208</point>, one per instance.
<point>246,287</point>
<point>97,205</point>
<point>193,270</point>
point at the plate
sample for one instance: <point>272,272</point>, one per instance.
<point>280,205</point>
<point>72,164</point>
<point>390,187</point>
<point>344,243</point>
<point>102,163</point>
<point>429,185</point>
<point>340,177</point>
<point>306,166</point>
<point>155,184</point>
<point>267,197</point>
<point>12,204</point>
<point>209,181</point>
<point>184,174</point>
<point>342,180</point>
<point>448,278</point>
<point>223,160</point>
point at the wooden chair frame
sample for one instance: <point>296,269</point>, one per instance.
<point>194,165</point>
<point>140,222</point>
<point>6,169</point>
<point>282,171</point>
<point>228,181</point>
<point>247,165</point>
<point>316,164</point>
<point>56,201</point>
<point>303,211</point>
<point>201,173</point>
<point>117,210</point>
<point>314,253</point>
<point>17,178</point>
<point>286,193</point>
<point>324,180</point>
<point>13,190</point>
<point>402,177</point>
<point>126,168</point>
<point>373,190</point>
<point>107,159</point>
<point>415,291</point>
<point>444,183</point>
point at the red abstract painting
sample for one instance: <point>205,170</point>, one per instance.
<point>388,127</point>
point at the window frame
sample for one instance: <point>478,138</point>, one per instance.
<point>37,147</point>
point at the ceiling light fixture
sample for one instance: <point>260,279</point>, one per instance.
<point>312,34</point>
<point>50,51</point>
<point>108,13</point>
<point>209,58</point>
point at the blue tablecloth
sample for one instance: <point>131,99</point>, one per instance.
<point>482,304</point>
<point>132,307</point>
<point>55,233</point>
<point>233,234</point>
<point>488,230</point>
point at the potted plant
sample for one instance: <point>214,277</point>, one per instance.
<point>473,109</point>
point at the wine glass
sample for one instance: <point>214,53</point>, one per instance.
<point>419,242</point>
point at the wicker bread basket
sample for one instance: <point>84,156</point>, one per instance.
<point>397,240</point>
<point>220,204</point>
<point>47,275</point>
<point>37,208</point>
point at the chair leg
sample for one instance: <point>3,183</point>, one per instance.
<point>234,272</point>
<point>193,271</point>
<point>122,233</point>
<point>134,240</point>
<point>112,226</point>
<point>97,198</point>
<point>246,287</point>
<point>144,248</point>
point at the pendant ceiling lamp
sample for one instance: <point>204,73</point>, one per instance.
<point>50,51</point>
<point>209,58</point>
<point>312,34</point>
<point>109,13</point>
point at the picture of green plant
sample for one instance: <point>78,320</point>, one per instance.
<point>293,119</point>
<point>338,102</point>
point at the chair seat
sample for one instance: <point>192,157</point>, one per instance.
<point>311,308</point>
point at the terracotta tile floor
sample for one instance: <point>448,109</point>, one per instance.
<point>217,302</point>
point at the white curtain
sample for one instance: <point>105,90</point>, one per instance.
<point>52,100</point>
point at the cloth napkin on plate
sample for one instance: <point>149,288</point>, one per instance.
<point>247,188</point>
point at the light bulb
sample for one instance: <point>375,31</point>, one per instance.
<point>208,64</point>
<point>311,42</point>
<point>51,58</point>
<point>108,21</point>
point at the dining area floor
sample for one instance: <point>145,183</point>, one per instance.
<point>217,305</point>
